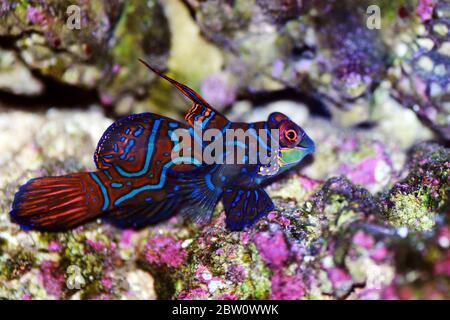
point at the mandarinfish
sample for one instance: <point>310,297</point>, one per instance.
<point>139,182</point>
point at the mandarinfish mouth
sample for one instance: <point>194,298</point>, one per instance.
<point>307,144</point>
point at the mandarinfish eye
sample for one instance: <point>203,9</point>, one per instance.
<point>290,134</point>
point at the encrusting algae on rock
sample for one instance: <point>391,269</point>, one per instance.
<point>416,201</point>
<point>367,217</point>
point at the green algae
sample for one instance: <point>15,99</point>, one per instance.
<point>424,193</point>
<point>411,210</point>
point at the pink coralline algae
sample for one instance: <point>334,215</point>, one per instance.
<point>389,293</point>
<point>203,274</point>
<point>444,237</point>
<point>193,294</point>
<point>338,276</point>
<point>51,277</point>
<point>379,253</point>
<point>308,183</point>
<point>272,215</point>
<point>107,283</point>
<point>165,250</point>
<point>115,68</point>
<point>272,248</point>
<point>362,172</point>
<point>365,171</point>
<point>35,16</point>
<point>220,251</point>
<point>54,246</point>
<point>106,99</point>
<point>98,245</point>
<point>244,237</point>
<point>363,239</point>
<point>26,296</point>
<point>284,221</point>
<point>125,240</point>
<point>442,266</point>
<point>275,217</point>
<point>368,294</point>
<point>425,9</point>
<point>349,144</point>
<point>285,287</point>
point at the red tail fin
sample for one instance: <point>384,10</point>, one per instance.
<point>56,203</point>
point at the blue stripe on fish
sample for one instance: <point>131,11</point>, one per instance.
<point>128,147</point>
<point>159,185</point>
<point>116,185</point>
<point>148,157</point>
<point>103,189</point>
<point>107,174</point>
<point>139,131</point>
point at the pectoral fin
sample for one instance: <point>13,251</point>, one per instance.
<point>199,190</point>
<point>243,207</point>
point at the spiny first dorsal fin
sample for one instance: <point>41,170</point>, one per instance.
<point>201,110</point>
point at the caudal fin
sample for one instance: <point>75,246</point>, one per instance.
<point>56,203</point>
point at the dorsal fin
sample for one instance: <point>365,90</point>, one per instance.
<point>201,110</point>
<point>206,117</point>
